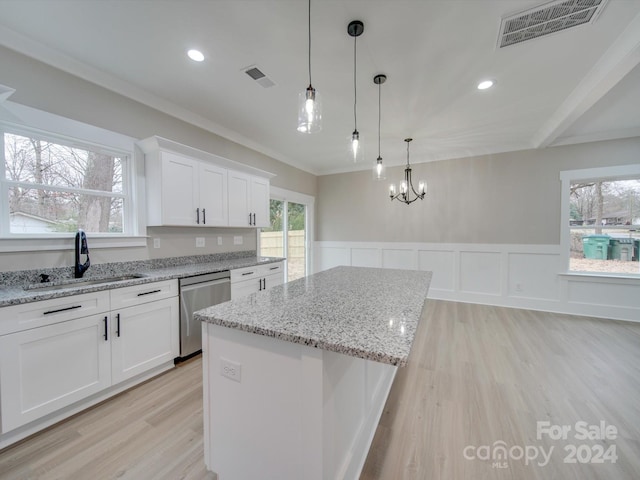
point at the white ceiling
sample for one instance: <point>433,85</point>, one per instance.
<point>577,85</point>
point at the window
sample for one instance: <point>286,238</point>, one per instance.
<point>601,220</point>
<point>54,183</point>
<point>294,218</point>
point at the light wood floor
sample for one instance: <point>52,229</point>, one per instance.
<point>477,375</point>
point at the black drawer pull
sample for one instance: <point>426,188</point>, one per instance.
<point>149,293</point>
<point>274,268</point>
<point>62,310</point>
<point>247,273</point>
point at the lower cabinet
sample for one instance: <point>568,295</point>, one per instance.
<point>47,368</point>
<point>57,362</point>
<point>245,281</point>
<point>144,336</point>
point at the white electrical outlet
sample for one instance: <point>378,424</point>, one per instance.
<point>237,240</point>
<point>199,242</point>
<point>156,243</point>
<point>229,369</point>
<point>219,240</point>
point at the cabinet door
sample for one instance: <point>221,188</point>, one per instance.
<point>242,289</point>
<point>239,202</point>
<point>45,369</point>
<point>213,196</point>
<point>179,195</point>
<point>260,201</point>
<point>143,337</point>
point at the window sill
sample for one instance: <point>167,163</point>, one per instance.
<point>598,277</point>
<point>17,244</point>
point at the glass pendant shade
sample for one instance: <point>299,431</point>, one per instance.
<point>309,111</point>
<point>355,150</point>
<point>379,170</point>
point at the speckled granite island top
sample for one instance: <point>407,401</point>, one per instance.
<point>369,313</point>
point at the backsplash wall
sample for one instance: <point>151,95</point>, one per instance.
<point>174,242</point>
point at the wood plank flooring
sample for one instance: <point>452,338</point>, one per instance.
<point>477,375</point>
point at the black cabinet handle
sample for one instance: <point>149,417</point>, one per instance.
<point>249,219</point>
<point>106,331</point>
<point>204,217</point>
<point>259,284</point>
<point>274,268</point>
<point>197,215</point>
<point>254,219</point>
<point>118,324</point>
<point>62,310</point>
<point>247,273</point>
<point>149,293</point>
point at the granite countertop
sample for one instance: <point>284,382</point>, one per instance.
<point>370,313</point>
<point>17,294</point>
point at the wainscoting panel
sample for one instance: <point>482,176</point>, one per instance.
<point>442,264</point>
<point>519,276</point>
<point>365,257</point>
<point>480,272</point>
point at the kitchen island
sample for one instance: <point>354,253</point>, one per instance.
<point>295,378</point>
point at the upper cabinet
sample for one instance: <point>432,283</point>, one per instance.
<point>248,200</point>
<point>189,187</point>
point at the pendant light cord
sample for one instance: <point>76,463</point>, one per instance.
<point>379,116</point>
<point>355,87</point>
<point>309,30</point>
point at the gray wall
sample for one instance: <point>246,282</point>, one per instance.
<point>46,88</point>
<point>506,198</point>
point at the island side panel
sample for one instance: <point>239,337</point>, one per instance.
<point>268,425</point>
<point>355,391</point>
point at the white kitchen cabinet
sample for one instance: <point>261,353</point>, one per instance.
<point>143,337</point>
<point>245,281</point>
<point>185,191</point>
<point>59,352</point>
<point>248,200</point>
<point>45,369</point>
<point>190,187</point>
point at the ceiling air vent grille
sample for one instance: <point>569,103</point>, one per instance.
<point>255,73</point>
<point>548,18</point>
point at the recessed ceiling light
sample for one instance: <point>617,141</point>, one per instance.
<point>195,55</point>
<point>486,84</point>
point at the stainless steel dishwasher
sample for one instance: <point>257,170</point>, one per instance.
<point>196,293</point>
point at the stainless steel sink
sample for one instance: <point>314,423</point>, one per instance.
<point>43,287</point>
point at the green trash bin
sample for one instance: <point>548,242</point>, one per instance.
<point>622,249</point>
<point>596,246</point>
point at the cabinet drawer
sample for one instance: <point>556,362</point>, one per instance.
<point>47,312</point>
<point>242,274</point>
<point>246,273</point>
<point>139,294</point>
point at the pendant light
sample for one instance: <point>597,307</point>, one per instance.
<point>406,187</point>
<point>309,105</point>
<point>355,29</point>
<point>379,171</point>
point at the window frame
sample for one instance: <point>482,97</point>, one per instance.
<point>567,177</point>
<point>287,196</point>
<point>50,127</point>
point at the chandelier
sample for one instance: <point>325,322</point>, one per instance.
<point>406,186</point>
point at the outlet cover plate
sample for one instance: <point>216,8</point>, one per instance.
<point>199,242</point>
<point>231,370</point>
<point>237,240</point>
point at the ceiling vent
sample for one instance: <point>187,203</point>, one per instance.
<point>548,18</point>
<point>257,74</point>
